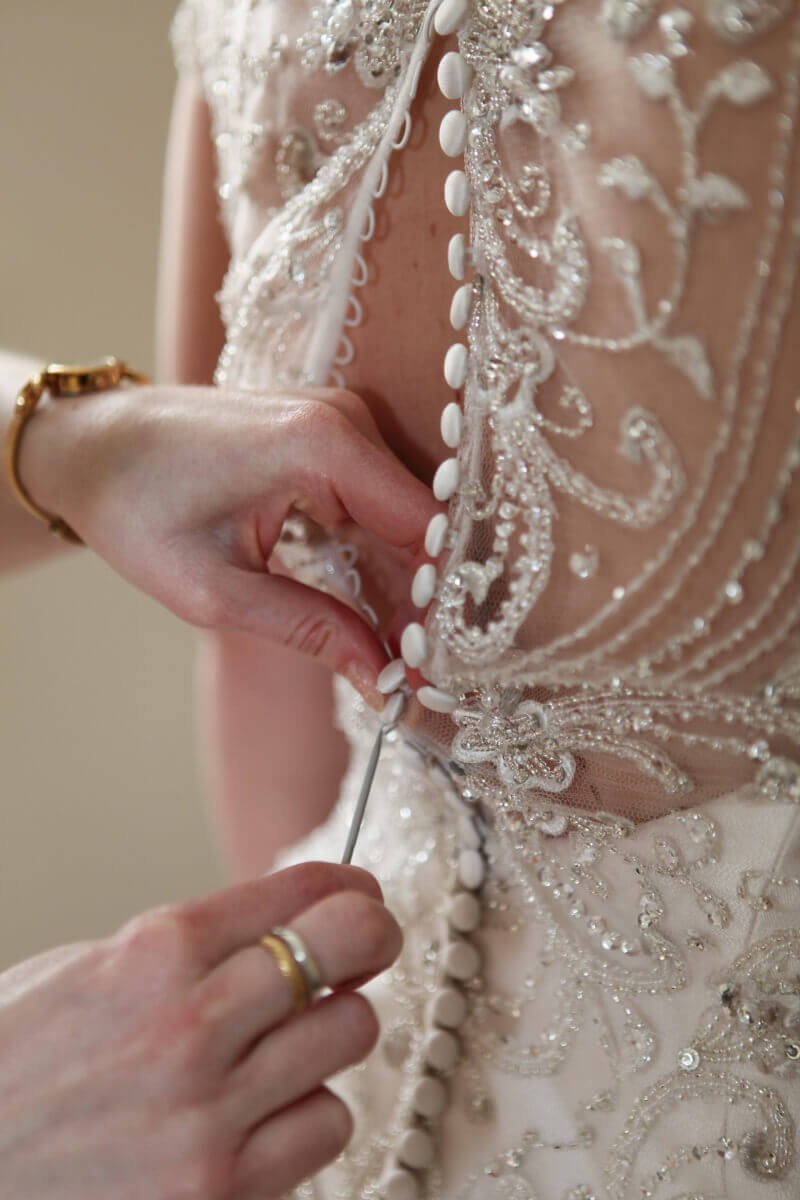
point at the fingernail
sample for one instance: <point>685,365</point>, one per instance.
<point>364,680</point>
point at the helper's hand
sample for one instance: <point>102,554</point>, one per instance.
<point>183,490</point>
<point>167,1062</point>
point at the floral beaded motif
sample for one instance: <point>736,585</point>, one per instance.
<point>684,691</point>
<point>626,982</point>
<point>716,685</point>
<point>630,1028</point>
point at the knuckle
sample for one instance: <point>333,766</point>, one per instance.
<point>316,416</point>
<point>348,403</point>
<point>163,934</point>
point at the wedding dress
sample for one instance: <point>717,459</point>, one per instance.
<point>588,824</point>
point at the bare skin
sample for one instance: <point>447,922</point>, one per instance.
<point>396,369</point>
<point>167,1056</point>
<point>166,1060</point>
<point>268,790</point>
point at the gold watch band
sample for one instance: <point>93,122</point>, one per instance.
<point>58,380</point>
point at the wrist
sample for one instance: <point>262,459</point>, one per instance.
<point>65,443</point>
<point>49,450</point>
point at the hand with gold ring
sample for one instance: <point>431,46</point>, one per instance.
<point>183,1056</point>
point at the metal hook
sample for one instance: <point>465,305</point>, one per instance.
<point>395,707</point>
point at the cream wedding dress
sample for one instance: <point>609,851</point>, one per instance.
<point>590,828</point>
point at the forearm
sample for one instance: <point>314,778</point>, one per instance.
<point>23,539</point>
<point>273,758</point>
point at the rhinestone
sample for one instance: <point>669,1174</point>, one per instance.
<point>584,563</point>
<point>734,591</point>
<point>689,1059</point>
<point>759,751</point>
<point>480,1108</point>
<point>753,550</point>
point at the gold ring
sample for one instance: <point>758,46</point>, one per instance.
<point>289,968</point>
<point>302,956</point>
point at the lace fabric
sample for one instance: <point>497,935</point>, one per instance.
<point>619,600</point>
<point>617,607</point>
<point>634,1032</point>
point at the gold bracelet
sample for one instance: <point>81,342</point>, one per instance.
<point>58,380</point>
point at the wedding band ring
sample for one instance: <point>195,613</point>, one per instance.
<point>289,969</point>
<point>303,957</point>
<point>295,963</point>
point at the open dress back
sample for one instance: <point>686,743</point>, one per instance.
<point>587,818</point>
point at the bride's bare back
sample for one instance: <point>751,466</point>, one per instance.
<point>633,196</point>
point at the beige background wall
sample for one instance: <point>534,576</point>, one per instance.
<point>101,812</point>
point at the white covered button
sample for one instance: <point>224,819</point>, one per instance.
<point>414,645</point>
<point>391,677</point>
<point>450,16</point>
<point>461,305</point>
<point>435,535</point>
<point>424,585</point>
<point>468,835</point>
<point>453,75</point>
<point>436,700</point>
<point>457,255</point>
<point>399,1184</point>
<point>464,913</point>
<point>471,869</point>
<point>445,481</point>
<point>462,960</point>
<point>449,1008</point>
<point>416,1149</point>
<point>455,366</point>
<point>441,1050</point>
<point>453,133</point>
<point>456,193</point>
<point>452,424</point>
<point>429,1098</point>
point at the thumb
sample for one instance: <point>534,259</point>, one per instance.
<point>301,618</point>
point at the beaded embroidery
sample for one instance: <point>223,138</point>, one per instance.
<point>637,944</point>
<point>515,329</point>
<point>622,932</point>
<point>610,685</point>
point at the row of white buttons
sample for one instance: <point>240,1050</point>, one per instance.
<point>454,76</point>
<point>461,960</point>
